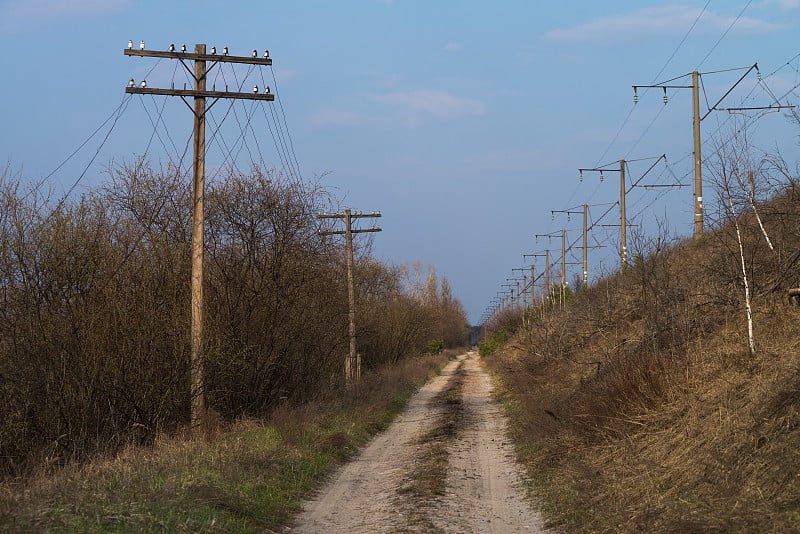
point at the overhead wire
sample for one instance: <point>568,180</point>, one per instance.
<point>716,44</point>
<point>243,129</point>
<point>660,71</point>
<point>732,24</point>
<point>91,161</point>
<point>282,141</point>
<point>114,115</point>
<point>633,107</point>
<point>286,124</point>
<point>215,136</point>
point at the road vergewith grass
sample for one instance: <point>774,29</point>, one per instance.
<point>251,478</point>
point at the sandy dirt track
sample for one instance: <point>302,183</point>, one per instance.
<point>481,491</point>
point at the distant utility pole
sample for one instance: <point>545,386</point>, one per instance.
<point>698,170</point>
<point>352,364</point>
<point>547,272</point>
<point>519,293</point>
<point>533,277</point>
<point>563,258</point>
<point>199,94</point>
<point>570,212</point>
<point>524,290</point>
<point>547,259</point>
<point>509,298</point>
<point>585,248</point>
<point>623,225</point>
<point>533,285</point>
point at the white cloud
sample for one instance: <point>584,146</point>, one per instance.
<point>787,4</point>
<point>666,20</point>
<point>284,74</point>
<point>454,47</point>
<point>24,13</point>
<point>337,117</point>
<point>513,160</point>
<point>437,103</point>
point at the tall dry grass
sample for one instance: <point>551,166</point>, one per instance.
<point>640,408</point>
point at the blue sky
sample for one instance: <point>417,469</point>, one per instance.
<point>463,122</point>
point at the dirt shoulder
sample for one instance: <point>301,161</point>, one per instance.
<point>445,465</point>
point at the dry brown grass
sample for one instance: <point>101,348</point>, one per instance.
<point>640,407</point>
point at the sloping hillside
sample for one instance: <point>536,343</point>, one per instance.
<point>639,405</point>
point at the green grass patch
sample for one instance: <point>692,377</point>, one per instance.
<point>495,341</point>
<point>252,478</point>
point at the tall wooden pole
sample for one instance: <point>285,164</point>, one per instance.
<point>533,284</point>
<point>623,229</point>
<point>585,248</point>
<point>524,298</point>
<point>547,273</point>
<point>352,362</point>
<point>352,369</point>
<point>197,379</point>
<point>199,93</point>
<point>698,171</point>
<point>563,258</point>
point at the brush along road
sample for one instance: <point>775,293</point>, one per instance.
<point>444,465</point>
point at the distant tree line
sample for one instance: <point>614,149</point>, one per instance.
<point>94,308</point>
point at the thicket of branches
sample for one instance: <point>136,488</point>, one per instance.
<point>94,309</point>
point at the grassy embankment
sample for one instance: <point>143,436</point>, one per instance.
<point>251,478</point>
<point>639,407</point>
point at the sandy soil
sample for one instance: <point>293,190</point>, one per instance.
<point>482,490</point>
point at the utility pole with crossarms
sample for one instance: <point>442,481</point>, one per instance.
<point>352,364</point>
<point>199,94</point>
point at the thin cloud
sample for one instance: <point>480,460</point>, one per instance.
<point>436,103</point>
<point>666,20</point>
<point>284,74</point>
<point>15,15</point>
<point>454,47</point>
<point>513,161</point>
<point>335,117</point>
<point>787,4</point>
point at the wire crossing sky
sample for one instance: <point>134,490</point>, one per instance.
<point>464,123</point>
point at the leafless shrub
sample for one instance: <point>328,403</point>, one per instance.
<point>94,309</point>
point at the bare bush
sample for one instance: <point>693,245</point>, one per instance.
<point>94,309</point>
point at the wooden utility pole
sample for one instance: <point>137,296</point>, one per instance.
<point>199,94</point>
<point>533,277</point>
<point>198,211</point>
<point>697,119</point>
<point>623,231</point>
<point>547,272</point>
<point>563,259</point>
<point>533,284</point>
<point>524,296</point>
<point>509,297</point>
<point>585,248</point>
<point>522,292</point>
<point>698,167</point>
<point>352,363</point>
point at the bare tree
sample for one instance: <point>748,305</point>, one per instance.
<point>732,176</point>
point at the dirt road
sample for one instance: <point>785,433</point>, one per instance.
<point>444,465</point>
